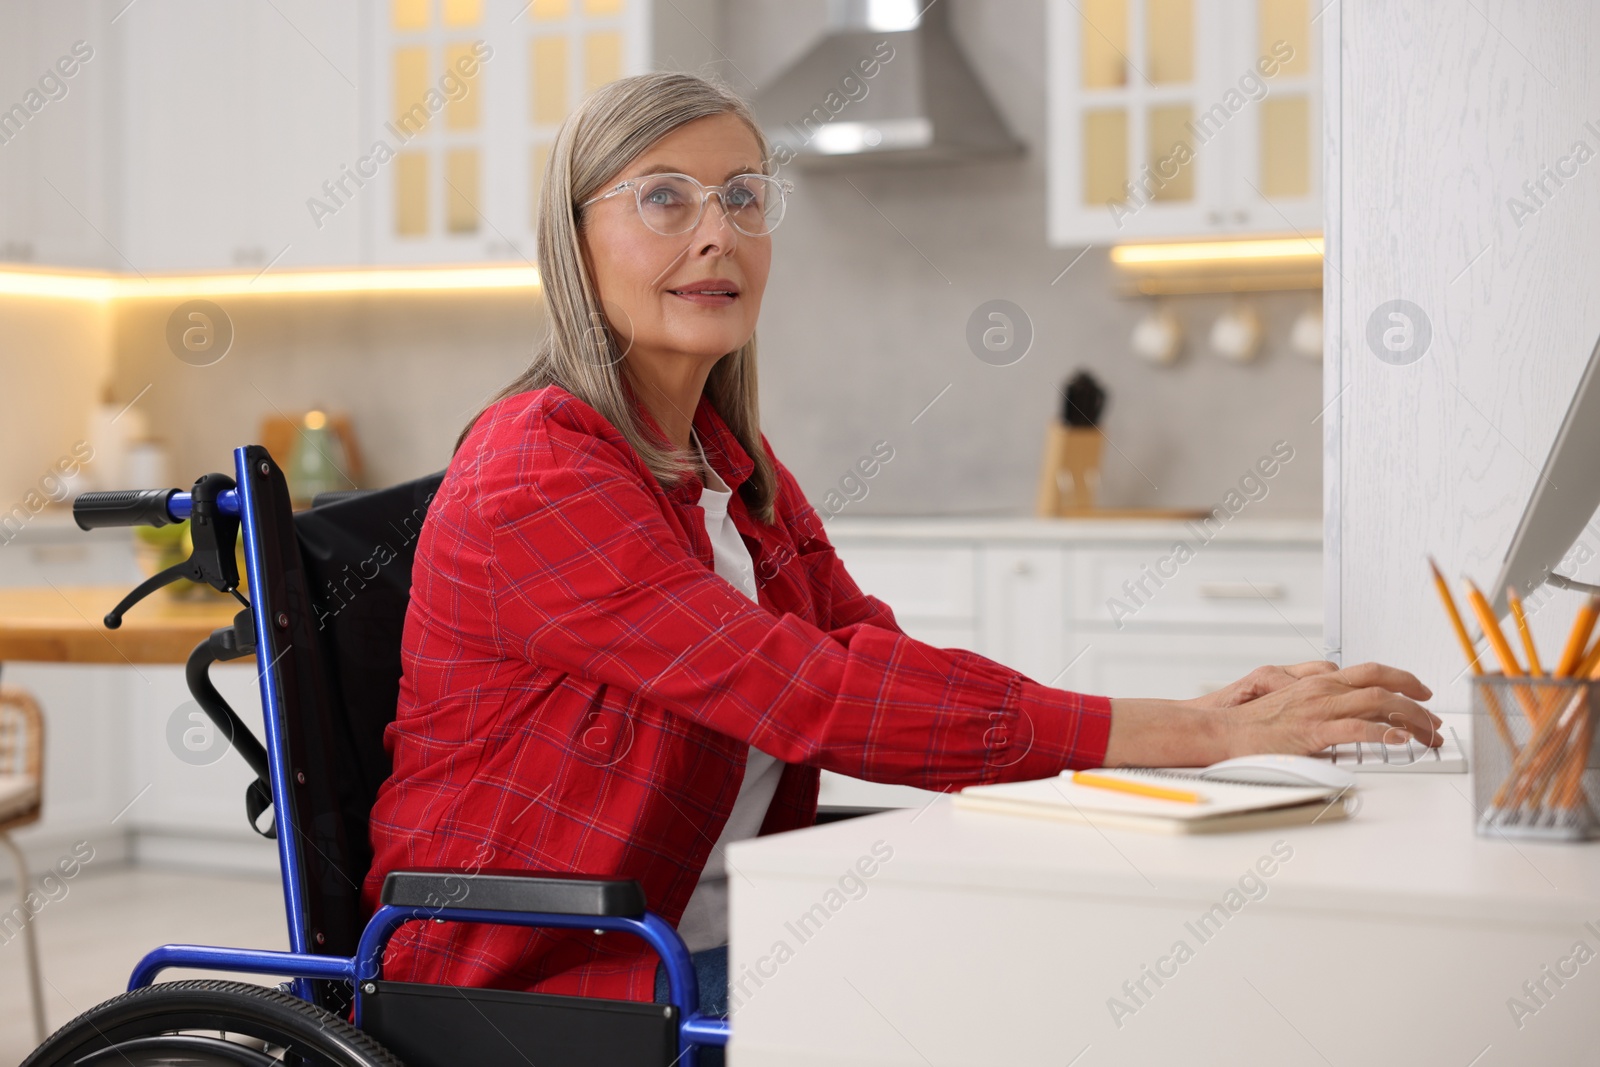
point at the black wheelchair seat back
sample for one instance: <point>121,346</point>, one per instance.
<point>356,550</point>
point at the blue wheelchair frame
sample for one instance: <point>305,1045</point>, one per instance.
<point>300,963</point>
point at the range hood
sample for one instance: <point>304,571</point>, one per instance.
<point>920,103</point>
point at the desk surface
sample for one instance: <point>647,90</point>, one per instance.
<point>938,937</point>
<point>63,625</point>
<point>1410,849</point>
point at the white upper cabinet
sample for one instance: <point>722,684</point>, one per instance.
<point>1182,118</point>
<point>231,117</point>
<point>55,67</point>
<point>467,95</point>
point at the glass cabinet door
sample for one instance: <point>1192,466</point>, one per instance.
<point>470,150</point>
<point>1125,104</point>
<point>1282,156</point>
<point>1174,118</point>
<point>434,75</point>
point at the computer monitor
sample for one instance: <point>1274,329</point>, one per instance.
<point>1565,497</point>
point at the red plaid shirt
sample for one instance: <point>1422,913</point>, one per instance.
<point>580,687</point>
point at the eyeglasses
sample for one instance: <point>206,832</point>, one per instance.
<point>673,203</point>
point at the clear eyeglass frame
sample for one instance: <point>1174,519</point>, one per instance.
<point>783,185</point>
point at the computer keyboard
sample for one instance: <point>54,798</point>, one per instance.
<point>1412,756</point>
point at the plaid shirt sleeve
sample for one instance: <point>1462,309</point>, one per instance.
<point>585,575</point>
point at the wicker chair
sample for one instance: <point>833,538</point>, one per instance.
<point>21,793</point>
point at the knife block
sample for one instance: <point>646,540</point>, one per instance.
<point>1069,477</point>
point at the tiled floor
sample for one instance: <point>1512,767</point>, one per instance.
<point>90,939</point>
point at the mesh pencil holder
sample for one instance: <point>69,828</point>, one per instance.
<point>1535,771</point>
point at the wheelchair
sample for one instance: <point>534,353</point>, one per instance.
<point>324,619</point>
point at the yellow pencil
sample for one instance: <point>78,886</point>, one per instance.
<point>1578,640</point>
<point>1123,785</point>
<point>1534,667</point>
<point>1491,630</point>
<point>1473,657</point>
<point>1591,662</point>
<point>1508,665</point>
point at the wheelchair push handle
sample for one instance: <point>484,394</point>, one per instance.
<point>143,507</point>
<point>124,507</point>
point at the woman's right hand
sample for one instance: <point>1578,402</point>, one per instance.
<point>1365,702</point>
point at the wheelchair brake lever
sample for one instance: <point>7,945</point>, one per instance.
<point>212,562</point>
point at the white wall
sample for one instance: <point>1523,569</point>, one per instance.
<point>1437,119</point>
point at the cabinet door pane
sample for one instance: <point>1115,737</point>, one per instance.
<point>462,112</point>
<point>411,194</point>
<point>602,58</point>
<point>1288,21</point>
<point>1171,164</point>
<point>461,193</point>
<point>1105,43</point>
<point>1169,41</point>
<point>549,80</point>
<point>1286,146</point>
<point>462,12</point>
<point>410,89</point>
<point>409,14</point>
<point>1105,156</point>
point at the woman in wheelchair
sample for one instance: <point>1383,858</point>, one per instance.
<point>629,641</point>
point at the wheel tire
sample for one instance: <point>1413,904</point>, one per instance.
<point>312,1035</point>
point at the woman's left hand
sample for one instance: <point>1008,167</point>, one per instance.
<point>1261,681</point>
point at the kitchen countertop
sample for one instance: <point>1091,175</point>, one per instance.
<point>54,524</point>
<point>1242,530</point>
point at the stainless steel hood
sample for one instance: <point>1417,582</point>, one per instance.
<point>885,84</point>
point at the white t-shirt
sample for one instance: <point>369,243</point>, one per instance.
<point>705,918</point>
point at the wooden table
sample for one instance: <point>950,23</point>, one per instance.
<point>63,624</point>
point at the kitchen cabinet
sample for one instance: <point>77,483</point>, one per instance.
<point>1092,606</point>
<point>468,94</point>
<point>1022,624</point>
<point>1182,118</point>
<point>53,127</point>
<point>231,118</point>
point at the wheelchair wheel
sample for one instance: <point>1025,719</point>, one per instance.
<point>209,1024</point>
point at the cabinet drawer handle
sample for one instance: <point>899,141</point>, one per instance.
<point>1241,590</point>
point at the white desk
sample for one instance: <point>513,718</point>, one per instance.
<point>1396,937</point>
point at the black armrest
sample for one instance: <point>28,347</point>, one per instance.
<point>839,812</point>
<point>557,892</point>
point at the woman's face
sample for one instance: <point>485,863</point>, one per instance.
<point>637,270</point>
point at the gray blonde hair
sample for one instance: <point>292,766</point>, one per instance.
<point>614,125</point>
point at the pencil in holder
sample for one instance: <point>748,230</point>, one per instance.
<point>1535,771</point>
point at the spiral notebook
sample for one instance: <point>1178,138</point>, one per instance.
<point>1228,805</point>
